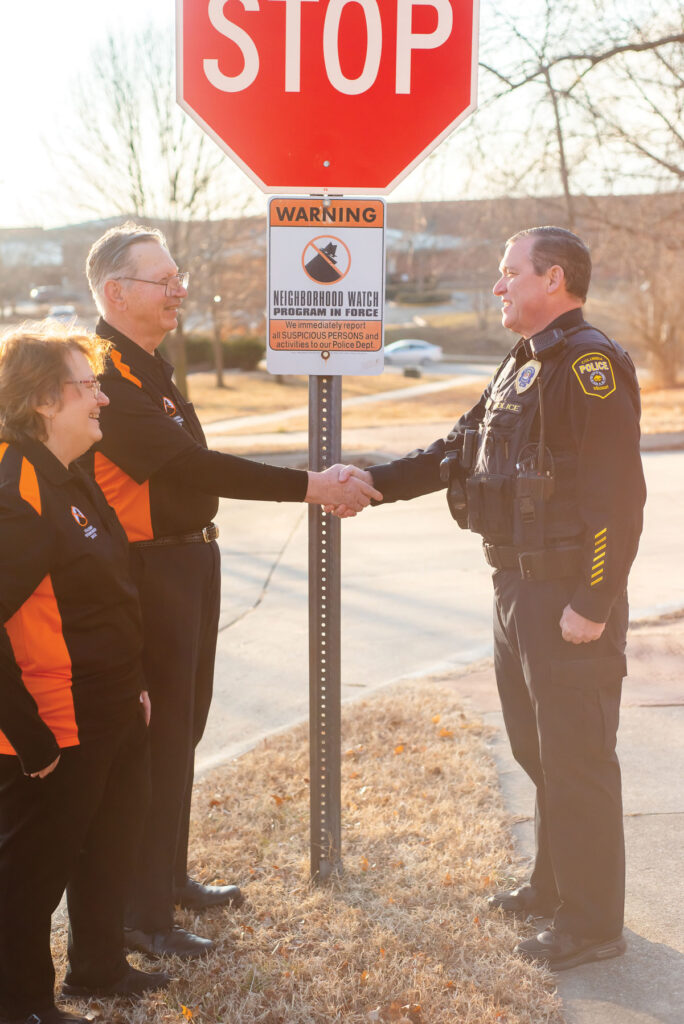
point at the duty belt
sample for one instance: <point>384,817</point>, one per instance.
<point>203,536</point>
<point>547,564</point>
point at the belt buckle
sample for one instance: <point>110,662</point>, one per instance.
<point>210,533</point>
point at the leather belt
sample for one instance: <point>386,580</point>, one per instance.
<point>203,536</point>
<point>547,564</point>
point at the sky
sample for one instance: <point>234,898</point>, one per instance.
<point>43,45</point>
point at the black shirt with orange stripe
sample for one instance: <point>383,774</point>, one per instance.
<point>72,634</point>
<point>153,463</point>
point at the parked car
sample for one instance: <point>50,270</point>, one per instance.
<point>412,352</point>
<point>62,314</point>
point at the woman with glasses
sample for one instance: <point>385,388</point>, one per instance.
<point>73,716</point>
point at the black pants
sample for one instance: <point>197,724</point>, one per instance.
<point>78,825</point>
<point>561,705</point>
<point>179,589</point>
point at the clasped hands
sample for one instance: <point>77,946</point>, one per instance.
<point>342,490</point>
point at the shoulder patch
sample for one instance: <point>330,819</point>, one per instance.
<point>595,374</point>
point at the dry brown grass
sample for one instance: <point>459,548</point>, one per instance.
<point>248,394</point>
<point>402,934</point>
<point>251,394</point>
<point>662,410</point>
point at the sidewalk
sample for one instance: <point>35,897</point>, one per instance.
<point>646,986</point>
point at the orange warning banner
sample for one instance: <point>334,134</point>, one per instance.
<point>326,335</point>
<point>303,213</point>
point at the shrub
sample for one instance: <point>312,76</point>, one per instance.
<point>240,353</point>
<point>243,353</point>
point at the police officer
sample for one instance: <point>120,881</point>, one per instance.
<point>546,468</point>
<point>156,472</point>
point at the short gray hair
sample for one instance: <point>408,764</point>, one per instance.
<point>110,255</point>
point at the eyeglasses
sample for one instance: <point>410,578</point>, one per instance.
<point>92,383</point>
<point>172,285</point>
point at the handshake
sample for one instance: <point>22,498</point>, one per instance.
<point>342,490</point>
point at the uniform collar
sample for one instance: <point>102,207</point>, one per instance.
<point>135,356</point>
<point>43,460</point>
<point>547,339</point>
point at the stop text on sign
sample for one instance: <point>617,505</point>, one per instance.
<point>405,43</point>
<point>343,96</point>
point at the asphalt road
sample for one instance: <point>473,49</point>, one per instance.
<point>415,596</point>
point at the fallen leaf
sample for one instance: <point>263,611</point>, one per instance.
<point>364,863</point>
<point>187,1012</point>
<point>444,732</point>
<point>399,749</point>
<point>436,719</point>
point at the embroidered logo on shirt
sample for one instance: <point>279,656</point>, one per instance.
<point>170,410</point>
<point>82,520</point>
<point>595,374</point>
<point>527,375</point>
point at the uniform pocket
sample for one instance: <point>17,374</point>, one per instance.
<point>585,704</point>
<point>589,673</point>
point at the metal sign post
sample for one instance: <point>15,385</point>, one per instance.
<point>325,433</point>
<point>326,277</point>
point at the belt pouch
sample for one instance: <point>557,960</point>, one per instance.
<point>489,512</point>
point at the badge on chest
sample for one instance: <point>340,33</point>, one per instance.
<point>526,376</point>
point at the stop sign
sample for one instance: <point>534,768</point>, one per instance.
<point>339,95</point>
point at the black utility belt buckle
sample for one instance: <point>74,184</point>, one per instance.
<point>210,533</point>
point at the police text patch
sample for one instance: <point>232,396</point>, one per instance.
<point>595,374</point>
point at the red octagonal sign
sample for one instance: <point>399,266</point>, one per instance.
<point>338,95</point>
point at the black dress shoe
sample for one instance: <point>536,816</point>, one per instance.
<point>53,1015</point>
<point>132,983</point>
<point>559,950</point>
<point>195,896</point>
<point>525,901</point>
<point>173,941</point>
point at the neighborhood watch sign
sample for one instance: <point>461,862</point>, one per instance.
<point>325,285</point>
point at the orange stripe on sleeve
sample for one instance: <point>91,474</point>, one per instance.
<point>3,449</point>
<point>123,368</point>
<point>130,501</point>
<point>28,485</point>
<point>35,632</point>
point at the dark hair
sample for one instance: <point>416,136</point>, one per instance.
<point>33,369</point>
<point>553,247</point>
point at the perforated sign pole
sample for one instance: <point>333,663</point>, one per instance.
<point>325,433</point>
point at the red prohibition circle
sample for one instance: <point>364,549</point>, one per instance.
<point>320,255</point>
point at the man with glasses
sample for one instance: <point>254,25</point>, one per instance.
<point>154,467</point>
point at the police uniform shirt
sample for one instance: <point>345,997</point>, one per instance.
<point>72,633</point>
<point>592,407</point>
<point>153,464</point>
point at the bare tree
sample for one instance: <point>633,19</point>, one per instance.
<point>577,97</point>
<point>137,154</point>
